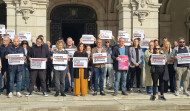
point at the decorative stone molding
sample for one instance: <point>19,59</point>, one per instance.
<point>142,10</point>
<point>26,8</point>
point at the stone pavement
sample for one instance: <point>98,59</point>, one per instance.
<point>132,102</point>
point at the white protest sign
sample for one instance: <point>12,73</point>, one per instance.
<point>60,59</point>
<point>71,51</point>
<point>158,59</point>
<point>145,43</point>
<point>87,39</point>
<point>15,59</point>
<point>38,63</point>
<point>11,33</point>
<point>99,58</point>
<point>126,36</point>
<point>138,34</point>
<point>2,29</point>
<point>106,34</point>
<point>183,58</point>
<point>25,36</point>
<point>80,62</point>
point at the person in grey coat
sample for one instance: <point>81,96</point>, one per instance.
<point>136,61</point>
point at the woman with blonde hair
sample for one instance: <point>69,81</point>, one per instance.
<point>167,49</point>
<point>60,71</point>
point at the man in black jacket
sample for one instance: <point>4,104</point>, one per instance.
<point>38,51</point>
<point>120,74</point>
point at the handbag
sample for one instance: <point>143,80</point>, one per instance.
<point>166,73</point>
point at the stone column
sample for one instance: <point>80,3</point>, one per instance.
<point>139,15</point>
<point>27,15</point>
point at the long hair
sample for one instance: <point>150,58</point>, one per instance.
<point>84,48</point>
<point>139,47</point>
<point>164,46</point>
<point>24,42</point>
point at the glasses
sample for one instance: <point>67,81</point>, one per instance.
<point>157,48</point>
<point>181,42</point>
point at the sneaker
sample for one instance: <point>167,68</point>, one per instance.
<point>162,98</point>
<point>186,93</point>
<point>153,98</point>
<point>102,93</point>
<point>28,94</point>
<point>115,93</point>
<point>18,94</point>
<point>177,93</point>
<point>56,94</point>
<point>95,93</point>
<point>10,95</point>
<point>45,94</point>
<point>124,93</point>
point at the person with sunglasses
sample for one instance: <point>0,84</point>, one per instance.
<point>181,69</point>
<point>157,74</point>
<point>109,66</point>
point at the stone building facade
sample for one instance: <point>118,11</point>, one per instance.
<point>63,18</point>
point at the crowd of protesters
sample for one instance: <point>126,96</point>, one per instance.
<point>97,77</point>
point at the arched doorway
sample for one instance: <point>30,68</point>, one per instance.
<point>72,21</point>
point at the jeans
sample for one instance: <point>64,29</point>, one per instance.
<point>25,78</point>
<point>14,72</point>
<point>99,72</point>
<point>109,69</point>
<point>120,75</point>
<point>149,89</point>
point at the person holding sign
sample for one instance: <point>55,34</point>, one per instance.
<point>98,69</point>
<point>38,51</point>
<point>121,49</point>
<point>136,64</point>
<point>60,70</point>
<point>157,72</point>
<point>15,70</point>
<point>181,69</point>
<point>80,74</point>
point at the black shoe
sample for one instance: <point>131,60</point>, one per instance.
<point>28,94</point>
<point>22,89</point>
<point>124,93</point>
<point>153,98</point>
<point>56,94</point>
<point>48,90</point>
<point>163,98</point>
<point>95,93</point>
<point>2,89</point>
<point>102,93</point>
<point>63,94</point>
<point>139,91</point>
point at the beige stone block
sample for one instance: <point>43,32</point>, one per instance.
<point>40,12</point>
<point>40,21</point>
<point>11,11</point>
<point>10,20</point>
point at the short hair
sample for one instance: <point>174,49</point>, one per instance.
<point>181,38</point>
<point>40,36</point>
<point>164,38</point>
<point>7,38</point>
<point>70,38</point>
<point>60,42</point>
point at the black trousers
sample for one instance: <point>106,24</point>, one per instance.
<point>159,73</point>
<point>135,71</point>
<point>42,77</point>
<point>6,85</point>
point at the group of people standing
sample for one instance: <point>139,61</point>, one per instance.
<point>104,75</point>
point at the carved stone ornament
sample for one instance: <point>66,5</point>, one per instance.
<point>142,9</point>
<point>26,9</point>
